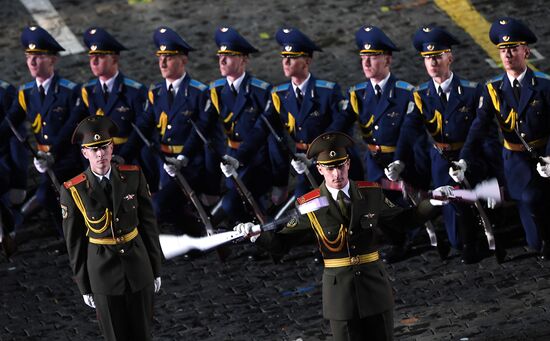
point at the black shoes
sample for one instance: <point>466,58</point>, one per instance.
<point>545,251</point>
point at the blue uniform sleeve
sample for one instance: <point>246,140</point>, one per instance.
<point>130,149</point>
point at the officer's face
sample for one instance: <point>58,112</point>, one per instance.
<point>172,67</point>
<point>376,66</point>
<point>296,67</point>
<point>99,157</point>
<point>40,65</point>
<point>514,58</point>
<point>439,66</point>
<point>104,65</point>
<point>335,177</point>
<point>232,66</point>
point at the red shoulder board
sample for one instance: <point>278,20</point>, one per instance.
<point>367,184</point>
<point>75,181</point>
<point>316,193</point>
<point>128,167</point>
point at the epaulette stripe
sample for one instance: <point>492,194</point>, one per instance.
<point>468,84</point>
<point>67,83</point>
<point>316,193</point>
<point>422,86</point>
<point>128,167</point>
<point>359,86</point>
<point>75,181</point>
<point>324,84</point>
<point>282,87</point>
<point>92,82</point>
<point>404,85</point>
<point>542,75</point>
<point>259,83</point>
<point>132,83</point>
<point>495,79</point>
<point>367,184</point>
<point>217,82</point>
<point>198,85</point>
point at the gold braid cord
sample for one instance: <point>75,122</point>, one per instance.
<point>333,246</point>
<point>106,216</point>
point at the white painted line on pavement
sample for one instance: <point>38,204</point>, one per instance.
<point>47,17</point>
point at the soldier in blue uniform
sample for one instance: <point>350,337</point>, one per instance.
<point>172,104</point>
<point>47,103</point>
<point>308,107</point>
<point>446,105</point>
<point>239,99</point>
<point>519,100</point>
<point>112,94</point>
<point>380,105</point>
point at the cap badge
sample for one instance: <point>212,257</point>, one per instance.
<point>288,48</point>
<point>430,47</point>
<point>32,28</point>
<point>506,38</point>
<point>97,137</point>
<point>162,30</point>
<point>224,29</point>
<point>332,153</point>
<point>162,47</point>
<point>503,22</point>
<point>426,29</point>
<point>223,47</point>
<point>367,46</point>
<point>286,30</point>
<point>93,47</point>
<point>93,31</point>
<point>368,29</point>
<point>32,46</point>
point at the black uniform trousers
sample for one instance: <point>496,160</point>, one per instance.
<point>378,327</point>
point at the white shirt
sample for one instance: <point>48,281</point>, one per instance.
<point>110,83</point>
<point>107,175</point>
<point>520,78</point>
<point>382,83</point>
<point>303,86</point>
<point>334,191</point>
<point>45,84</point>
<point>445,86</point>
<point>176,84</point>
<point>237,82</point>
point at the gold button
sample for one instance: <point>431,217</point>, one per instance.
<point>299,128</point>
<point>446,121</point>
<point>169,126</point>
<point>350,232</point>
<point>374,139</point>
<point>43,123</point>
<point>121,251</point>
<point>169,139</point>
<point>116,219</point>
<point>353,247</point>
<point>354,260</point>
<point>522,134</point>
<point>45,137</point>
<point>376,127</point>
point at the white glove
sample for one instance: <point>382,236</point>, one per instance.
<point>544,167</point>
<point>491,203</point>
<point>43,161</point>
<point>441,193</point>
<point>279,194</point>
<point>394,169</point>
<point>300,163</point>
<point>89,300</point>
<point>157,284</point>
<point>229,167</point>
<point>173,165</point>
<point>119,160</point>
<point>458,175</point>
<point>249,230</point>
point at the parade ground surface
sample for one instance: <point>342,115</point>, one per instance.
<point>203,298</point>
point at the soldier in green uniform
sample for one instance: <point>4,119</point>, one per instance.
<point>112,235</point>
<point>357,295</point>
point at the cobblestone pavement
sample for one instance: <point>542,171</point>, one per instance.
<point>204,299</point>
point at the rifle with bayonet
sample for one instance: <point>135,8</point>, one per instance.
<point>182,183</point>
<point>243,190</point>
<point>34,152</point>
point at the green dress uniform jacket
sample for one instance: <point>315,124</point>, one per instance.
<point>355,282</point>
<point>113,243</point>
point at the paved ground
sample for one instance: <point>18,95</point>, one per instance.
<point>203,299</point>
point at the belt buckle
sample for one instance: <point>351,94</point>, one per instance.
<point>354,260</point>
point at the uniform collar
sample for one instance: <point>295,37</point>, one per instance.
<point>237,82</point>
<point>106,175</point>
<point>334,192</point>
<point>382,83</point>
<point>520,78</point>
<point>303,86</point>
<point>446,85</point>
<point>110,82</point>
<point>176,84</point>
<point>46,84</point>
